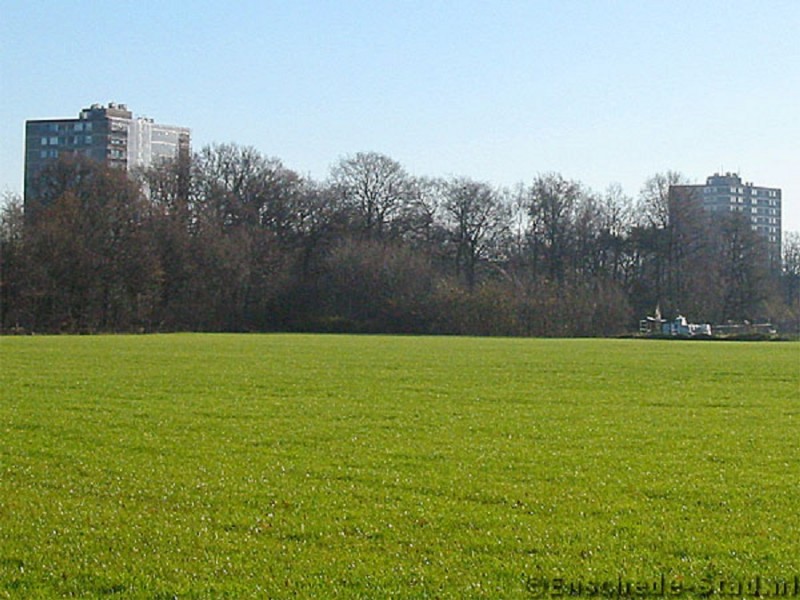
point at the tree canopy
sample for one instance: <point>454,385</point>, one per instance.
<point>231,240</point>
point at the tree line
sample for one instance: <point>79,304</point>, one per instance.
<point>228,239</point>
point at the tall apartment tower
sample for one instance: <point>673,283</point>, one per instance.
<point>727,193</point>
<point>108,134</point>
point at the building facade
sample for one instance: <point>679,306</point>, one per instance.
<point>727,193</point>
<point>107,134</point>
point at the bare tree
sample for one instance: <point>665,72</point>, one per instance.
<point>552,202</point>
<point>744,275</point>
<point>92,265</point>
<point>375,188</point>
<point>616,222</point>
<point>478,220</point>
<point>790,279</point>
<point>239,186</point>
<point>674,246</point>
<point>655,207</point>
<point>12,261</point>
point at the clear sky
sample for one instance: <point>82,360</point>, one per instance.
<point>601,91</point>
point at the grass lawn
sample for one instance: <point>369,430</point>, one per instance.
<point>208,466</point>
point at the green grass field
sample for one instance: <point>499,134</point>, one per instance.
<point>208,466</point>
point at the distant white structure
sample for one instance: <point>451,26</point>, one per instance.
<point>679,326</point>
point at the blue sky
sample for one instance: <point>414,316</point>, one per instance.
<point>601,91</point>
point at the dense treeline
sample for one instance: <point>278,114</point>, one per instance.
<point>230,240</point>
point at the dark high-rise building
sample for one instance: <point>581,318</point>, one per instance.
<point>107,134</point>
<point>726,193</point>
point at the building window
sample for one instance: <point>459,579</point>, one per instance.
<point>88,139</point>
<point>44,141</point>
<point>54,141</point>
<point>43,154</point>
